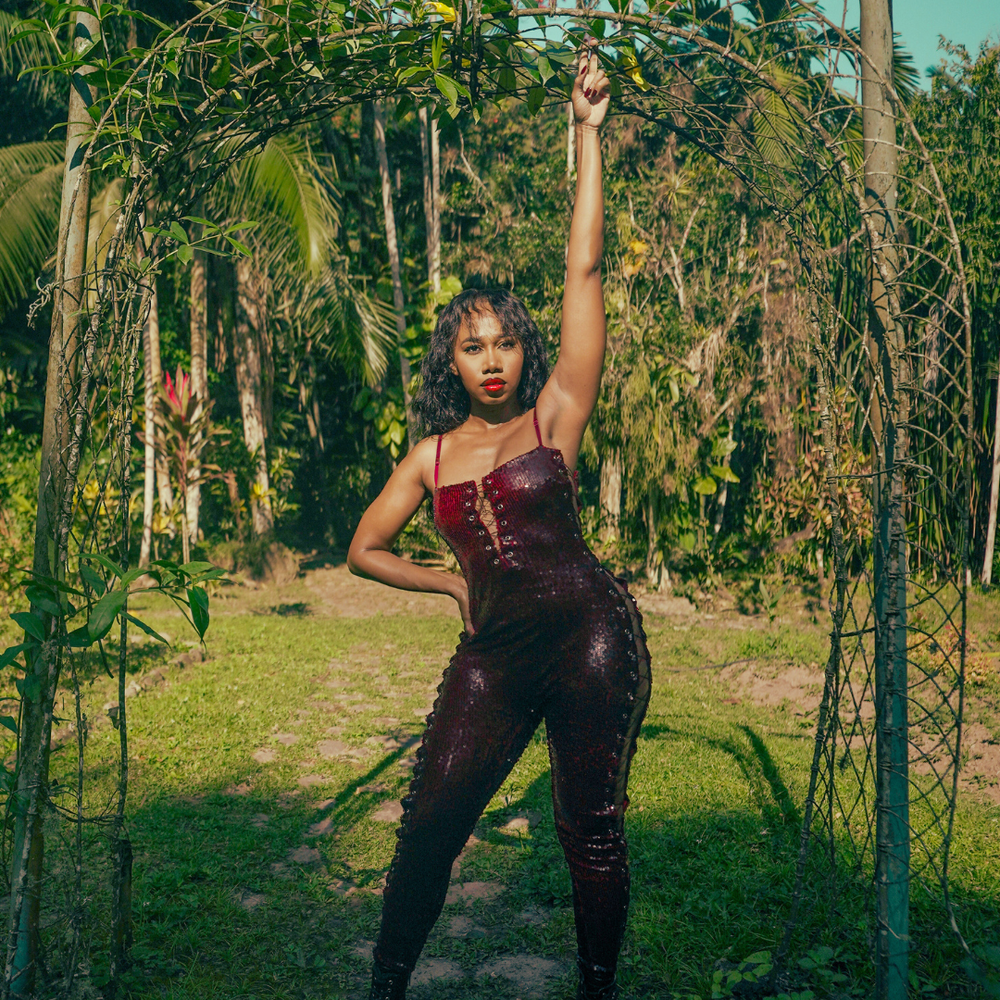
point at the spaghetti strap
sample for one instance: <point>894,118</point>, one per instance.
<point>538,433</point>
<point>437,460</point>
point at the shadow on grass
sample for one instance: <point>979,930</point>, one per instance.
<point>758,767</point>
<point>297,610</point>
<point>223,911</point>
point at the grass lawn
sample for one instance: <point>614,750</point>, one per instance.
<point>260,812</point>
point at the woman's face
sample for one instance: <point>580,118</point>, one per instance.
<point>488,361</point>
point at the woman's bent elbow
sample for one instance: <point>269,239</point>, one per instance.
<point>353,554</point>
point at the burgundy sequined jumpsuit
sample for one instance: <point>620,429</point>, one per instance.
<point>558,638</point>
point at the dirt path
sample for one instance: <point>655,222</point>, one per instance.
<point>334,591</point>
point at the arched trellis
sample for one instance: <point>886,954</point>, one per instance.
<point>772,91</point>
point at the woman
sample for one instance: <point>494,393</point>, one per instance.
<point>549,634</point>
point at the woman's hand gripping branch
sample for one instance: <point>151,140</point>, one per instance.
<point>590,91</point>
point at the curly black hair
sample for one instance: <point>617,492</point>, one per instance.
<point>442,402</point>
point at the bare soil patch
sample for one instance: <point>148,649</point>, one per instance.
<point>800,686</point>
<point>340,594</point>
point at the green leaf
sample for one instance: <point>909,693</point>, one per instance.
<point>536,97</point>
<point>184,254</point>
<point>104,561</point>
<point>726,474</point>
<point>194,568</point>
<point>96,584</point>
<point>447,87</point>
<point>411,71</point>
<point>507,80</point>
<point>177,231</point>
<point>9,723</point>
<point>198,600</point>
<point>706,486</point>
<point>11,653</point>
<point>148,629</point>
<point>218,77</point>
<point>545,69</point>
<point>31,624</point>
<point>437,47</point>
<point>41,597</point>
<point>105,612</point>
<point>29,687</point>
<point>79,638</point>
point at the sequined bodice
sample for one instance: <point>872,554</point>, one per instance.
<point>516,534</point>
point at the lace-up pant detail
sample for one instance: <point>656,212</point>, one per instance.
<point>584,671</point>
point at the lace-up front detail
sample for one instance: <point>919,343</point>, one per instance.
<point>521,518</point>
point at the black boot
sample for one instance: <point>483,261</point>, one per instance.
<point>596,982</point>
<point>387,985</point>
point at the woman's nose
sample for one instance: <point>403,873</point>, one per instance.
<point>492,362</point>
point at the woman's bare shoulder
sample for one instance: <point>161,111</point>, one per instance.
<point>419,463</point>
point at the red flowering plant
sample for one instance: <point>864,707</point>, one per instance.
<point>185,428</point>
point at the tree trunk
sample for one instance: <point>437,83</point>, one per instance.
<point>889,416</point>
<point>247,359</point>
<point>397,280</point>
<point>991,527</point>
<point>611,495</point>
<point>49,560</point>
<point>720,502</point>
<point>199,373</point>
<point>436,204</point>
<point>430,155</point>
<point>657,573</point>
<point>151,382</point>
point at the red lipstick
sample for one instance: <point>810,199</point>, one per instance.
<point>494,385</point>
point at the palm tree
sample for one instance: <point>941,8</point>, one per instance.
<point>294,249</point>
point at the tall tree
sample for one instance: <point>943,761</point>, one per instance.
<point>392,243</point>
<point>250,319</point>
<point>199,371</point>
<point>37,703</point>
<point>431,155</point>
<point>151,385</point>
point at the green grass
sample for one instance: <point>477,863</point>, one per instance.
<point>716,792</point>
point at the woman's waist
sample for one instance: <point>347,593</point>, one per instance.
<point>530,589</point>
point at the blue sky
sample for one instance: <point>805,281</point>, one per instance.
<point>920,22</point>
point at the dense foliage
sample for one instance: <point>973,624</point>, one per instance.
<point>701,467</point>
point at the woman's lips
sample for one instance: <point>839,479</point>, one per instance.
<point>494,385</point>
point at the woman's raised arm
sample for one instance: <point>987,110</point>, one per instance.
<point>568,399</point>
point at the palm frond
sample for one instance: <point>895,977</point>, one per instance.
<point>777,124</point>
<point>27,158</point>
<point>35,49</point>
<point>279,188</point>
<point>30,181</point>
<point>337,315</point>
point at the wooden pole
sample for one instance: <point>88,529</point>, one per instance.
<point>887,354</point>
<point>991,527</point>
